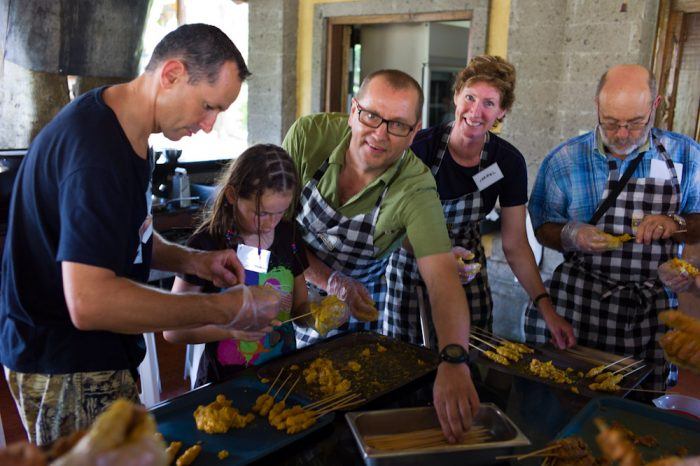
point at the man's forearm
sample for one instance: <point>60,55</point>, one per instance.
<point>549,235</point>
<point>99,300</point>
<point>171,257</point>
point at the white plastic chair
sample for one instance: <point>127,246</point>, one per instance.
<point>149,373</point>
<point>193,356</point>
<point>2,434</point>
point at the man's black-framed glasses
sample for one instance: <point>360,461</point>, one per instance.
<point>373,120</point>
<point>631,126</point>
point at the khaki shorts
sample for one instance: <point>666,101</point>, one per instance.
<point>55,405</point>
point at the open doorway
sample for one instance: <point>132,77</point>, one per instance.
<point>432,48</point>
<point>677,67</point>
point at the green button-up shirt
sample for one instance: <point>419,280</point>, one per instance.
<point>411,207</point>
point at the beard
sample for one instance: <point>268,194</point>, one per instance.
<point>625,146</point>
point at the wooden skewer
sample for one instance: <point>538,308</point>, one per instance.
<point>342,403</point>
<point>483,332</point>
<point>631,365</point>
<point>274,381</point>
<point>282,386</point>
<point>291,389</point>
<point>476,347</point>
<point>529,455</point>
<point>325,400</point>
<point>484,342</point>
<point>295,318</point>
<point>663,392</point>
<point>616,362</point>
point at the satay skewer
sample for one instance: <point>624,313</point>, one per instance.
<point>274,381</point>
<point>484,341</point>
<point>291,389</point>
<point>540,452</point>
<point>295,318</point>
<point>473,345</point>
<point>663,392</point>
<point>633,370</point>
<point>485,333</point>
<point>279,390</point>
<point>326,400</point>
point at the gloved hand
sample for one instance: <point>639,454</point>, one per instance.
<point>674,277</point>
<point>261,304</point>
<point>577,236</point>
<point>354,293</point>
<point>328,312</point>
<point>466,270</point>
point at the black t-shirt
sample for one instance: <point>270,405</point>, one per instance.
<point>454,180</point>
<point>222,359</point>
<point>81,195</point>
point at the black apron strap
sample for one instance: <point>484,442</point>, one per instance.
<point>612,196</point>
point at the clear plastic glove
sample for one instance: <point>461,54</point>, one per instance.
<point>328,312</point>
<point>467,270</point>
<point>261,304</point>
<point>354,293</point>
<point>577,236</point>
<point>675,278</point>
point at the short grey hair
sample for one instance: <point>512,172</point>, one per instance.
<point>651,81</point>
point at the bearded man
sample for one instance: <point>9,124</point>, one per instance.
<point>618,202</point>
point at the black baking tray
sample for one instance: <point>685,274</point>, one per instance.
<point>176,422</point>
<point>579,358</point>
<point>674,432</point>
<point>380,374</point>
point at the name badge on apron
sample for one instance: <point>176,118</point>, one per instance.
<point>253,259</point>
<point>488,176</point>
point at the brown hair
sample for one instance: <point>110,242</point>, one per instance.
<point>398,80</point>
<point>492,70</point>
<point>259,168</point>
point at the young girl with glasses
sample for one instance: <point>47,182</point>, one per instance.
<point>253,195</point>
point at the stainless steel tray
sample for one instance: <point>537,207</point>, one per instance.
<point>505,436</point>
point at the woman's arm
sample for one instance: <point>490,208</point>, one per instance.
<point>522,262</point>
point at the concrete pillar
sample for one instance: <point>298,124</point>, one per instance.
<point>272,87</point>
<point>28,100</point>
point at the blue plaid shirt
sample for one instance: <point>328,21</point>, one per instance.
<point>571,179</point>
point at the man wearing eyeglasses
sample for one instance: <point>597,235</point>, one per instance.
<point>363,192</point>
<point>618,202</point>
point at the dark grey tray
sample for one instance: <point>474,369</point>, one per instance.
<point>505,437</point>
<point>381,372</point>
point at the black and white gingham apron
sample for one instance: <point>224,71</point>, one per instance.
<point>463,216</point>
<point>613,299</point>
<point>345,244</point>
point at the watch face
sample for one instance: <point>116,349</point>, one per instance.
<point>454,351</point>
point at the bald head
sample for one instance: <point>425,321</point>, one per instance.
<point>625,81</point>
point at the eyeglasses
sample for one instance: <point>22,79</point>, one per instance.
<point>634,126</point>
<point>373,120</point>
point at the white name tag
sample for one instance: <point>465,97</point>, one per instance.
<point>253,259</point>
<point>660,171</point>
<point>488,176</point>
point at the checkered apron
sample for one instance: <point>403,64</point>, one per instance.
<point>405,287</point>
<point>613,299</point>
<point>344,244</point>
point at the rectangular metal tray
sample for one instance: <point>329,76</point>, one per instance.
<point>673,431</point>
<point>505,437</point>
<point>564,359</point>
<point>176,422</point>
<point>381,372</point>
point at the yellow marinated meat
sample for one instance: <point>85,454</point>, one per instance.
<point>509,353</point>
<point>189,456</point>
<point>519,347</point>
<point>354,366</point>
<point>222,455</point>
<point>609,384</point>
<point>172,450</point>
<point>328,314</point>
<point>682,344</point>
<point>260,402</point>
<point>685,267</point>
<point>547,370</point>
<point>496,357</point>
<point>595,371</point>
<point>322,373</point>
<point>219,416</point>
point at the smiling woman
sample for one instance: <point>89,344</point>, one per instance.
<point>229,133</point>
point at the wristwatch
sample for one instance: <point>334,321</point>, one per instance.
<point>454,354</point>
<point>680,221</point>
